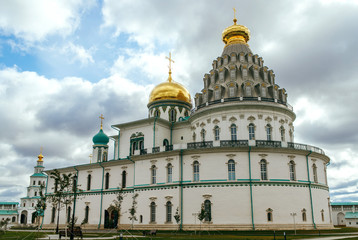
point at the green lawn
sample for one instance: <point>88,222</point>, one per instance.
<point>186,235</point>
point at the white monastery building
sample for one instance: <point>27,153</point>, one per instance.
<point>232,154</point>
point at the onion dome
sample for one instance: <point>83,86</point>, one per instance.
<point>40,157</point>
<point>170,90</point>
<point>100,138</point>
<point>236,34</point>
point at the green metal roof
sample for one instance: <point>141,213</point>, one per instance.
<point>100,138</point>
<point>8,212</point>
<point>9,203</point>
<point>343,203</point>
<point>351,215</point>
<point>38,175</point>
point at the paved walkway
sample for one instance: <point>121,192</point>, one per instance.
<point>331,238</point>
<point>55,236</point>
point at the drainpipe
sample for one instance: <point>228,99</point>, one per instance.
<point>74,205</point>
<point>252,205</point>
<point>42,222</point>
<point>154,131</point>
<point>309,186</point>
<point>100,210</point>
<point>114,154</point>
<point>181,189</point>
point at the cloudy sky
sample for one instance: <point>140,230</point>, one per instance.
<point>63,63</point>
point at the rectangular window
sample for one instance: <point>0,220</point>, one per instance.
<point>233,133</point>
<point>170,174</point>
<point>263,92</point>
<point>221,75</point>
<point>232,74</point>
<point>248,91</point>
<point>217,134</point>
<point>217,94</point>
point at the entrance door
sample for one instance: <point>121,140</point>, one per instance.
<point>23,219</point>
<point>106,219</point>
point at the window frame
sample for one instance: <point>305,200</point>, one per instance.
<point>263,170</point>
<point>251,131</point>
<point>233,132</point>
<point>196,171</point>
<point>231,170</point>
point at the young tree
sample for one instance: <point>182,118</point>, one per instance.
<point>4,223</point>
<point>62,196</point>
<point>202,214</point>
<point>40,206</point>
<point>177,217</point>
<point>133,209</point>
<point>117,202</point>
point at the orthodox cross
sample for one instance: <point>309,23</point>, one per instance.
<point>170,66</point>
<point>41,148</point>
<point>234,16</point>
<point>101,117</point>
<point>90,157</point>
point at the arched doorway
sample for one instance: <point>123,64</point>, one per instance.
<point>33,218</point>
<point>23,218</point>
<point>340,219</point>
<point>110,218</point>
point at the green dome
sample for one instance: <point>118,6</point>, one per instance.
<point>100,138</point>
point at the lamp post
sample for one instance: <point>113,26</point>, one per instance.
<point>294,220</point>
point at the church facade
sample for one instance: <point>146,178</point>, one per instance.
<point>232,156</point>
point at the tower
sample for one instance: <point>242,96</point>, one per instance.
<point>100,145</point>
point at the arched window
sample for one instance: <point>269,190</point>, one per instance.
<point>141,219</point>
<point>53,214</point>
<point>69,214</point>
<point>207,208</point>
<point>251,131</point>
<point>141,145</point>
<point>231,92</point>
<point>134,147</point>
<point>153,171</point>
<point>106,185</point>
<point>172,116</point>
<point>231,169</point>
<point>13,219</point>
<point>263,168</point>
<point>304,216</point>
<point>152,212</point>
<point>165,142</point>
<point>322,215</point>
<point>282,131</point>
<point>292,169</point>
<point>202,133</point>
<point>156,113</point>
<point>86,214</point>
<point>194,137</point>
<point>186,114</point>
<point>233,132</point>
<point>314,168</point>
<point>124,179</point>
<point>99,155</point>
<point>89,178</point>
<point>217,133</point>
<point>104,159</point>
<point>74,183</point>
<point>269,215</point>
<point>217,94</point>
<point>196,171</point>
<point>168,207</point>
<point>268,132</point>
<point>169,173</point>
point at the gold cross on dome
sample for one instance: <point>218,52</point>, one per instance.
<point>41,148</point>
<point>101,117</point>
<point>90,157</point>
<point>170,66</point>
<point>235,20</point>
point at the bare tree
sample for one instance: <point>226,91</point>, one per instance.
<point>177,217</point>
<point>133,209</point>
<point>117,202</point>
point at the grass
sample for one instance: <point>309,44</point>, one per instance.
<point>204,235</point>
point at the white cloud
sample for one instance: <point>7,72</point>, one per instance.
<point>34,20</point>
<point>78,53</point>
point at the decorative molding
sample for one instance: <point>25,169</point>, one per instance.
<point>223,118</point>
<point>195,157</point>
<point>291,157</point>
<point>268,119</point>
<point>169,159</point>
<point>153,199</point>
<point>230,155</point>
<point>208,120</point>
<point>275,118</point>
<point>233,119</point>
<point>153,162</point>
<point>168,198</point>
<point>202,125</point>
<point>87,203</point>
<point>207,196</point>
<point>124,167</point>
<point>282,121</point>
<point>242,116</point>
<point>89,171</point>
<point>107,169</point>
<point>263,155</point>
<point>216,121</point>
<point>260,116</point>
<point>251,118</point>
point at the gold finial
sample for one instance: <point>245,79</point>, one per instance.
<point>90,157</point>
<point>235,20</point>
<point>101,117</point>
<point>40,156</point>
<point>170,66</point>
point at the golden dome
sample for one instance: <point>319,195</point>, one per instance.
<point>170,90</point>
<point>236,34</point>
